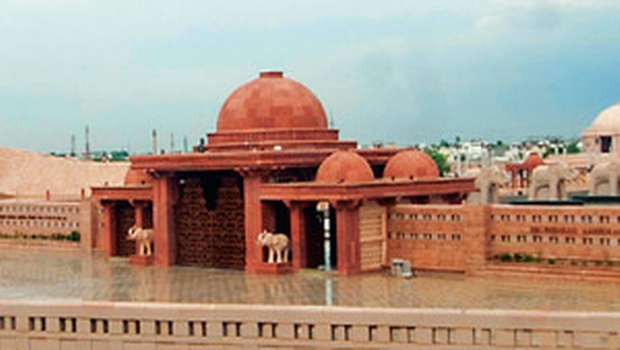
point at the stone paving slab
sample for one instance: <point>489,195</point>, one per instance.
<point>52,275</point>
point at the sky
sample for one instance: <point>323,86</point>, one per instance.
<point>405,71</point>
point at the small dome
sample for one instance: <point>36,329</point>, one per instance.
<point>271,102</point>
<point>607,122</point>
<point>344,166</point>
<point>137,177</point>
<point>533,160</point>
<point>411,164</point>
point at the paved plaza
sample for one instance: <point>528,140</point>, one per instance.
<point>43,275</point>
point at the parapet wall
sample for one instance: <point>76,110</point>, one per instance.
<point>90,325</point>
<point>445,237</point>
<point>430,236</point>
<point>588,233</point>
<point>45,223</point>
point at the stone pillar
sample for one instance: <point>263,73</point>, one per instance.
<point>347,236</point>
<point>89,221</point>
<point>253,217</point>
<point>298,235</point>
<point>109,228</point>
<point>139,213</point>
<point>476,226</point>
<point>164,196</point>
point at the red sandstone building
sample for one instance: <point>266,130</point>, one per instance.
<point>521,173</point>
<point>270,162</point>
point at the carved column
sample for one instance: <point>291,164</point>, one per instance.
<point>298,234</point>
<point>252,178</point>
<point>109,227</point>
<point>164,196</point>
<point>139,208</point>
<point>348,240</point>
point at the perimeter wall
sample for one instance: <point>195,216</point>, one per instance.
<point>32,326</point>
<point>466,237</point>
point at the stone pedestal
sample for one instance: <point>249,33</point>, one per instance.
<point>136,259</point>
<point>271,269</point>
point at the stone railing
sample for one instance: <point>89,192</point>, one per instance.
<point>106,325</point>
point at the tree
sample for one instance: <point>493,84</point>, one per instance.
<point>440,160</point>
<point>444,144</point>
<point>573,147</point>
<point>457,141</point>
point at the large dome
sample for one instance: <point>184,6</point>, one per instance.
<point>410,164</point>
<point>607,122</point>
<point>344,167</point>
<point>271,102</point>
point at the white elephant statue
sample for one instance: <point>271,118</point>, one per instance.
<point>552,177</point>
<point>604,179</point>
<point>278,245</point>
<point>488,181</point>
<point>144,237</point>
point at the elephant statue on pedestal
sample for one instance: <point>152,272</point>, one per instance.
<point>604,179</point>
<point>144,237</point>
<point>278,244</point>
<point>553,178</point>
<point>488,181</point>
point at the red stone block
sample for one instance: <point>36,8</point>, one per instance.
<point>141,259</point>
<point>271,269</point>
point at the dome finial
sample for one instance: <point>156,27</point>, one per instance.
<point>271,74</point>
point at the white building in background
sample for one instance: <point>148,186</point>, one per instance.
<point>467,155</point>
<point>603,135</point>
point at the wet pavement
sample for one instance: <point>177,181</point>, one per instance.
<point>45,275</point>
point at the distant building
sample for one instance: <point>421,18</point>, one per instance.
<point>603,135</point>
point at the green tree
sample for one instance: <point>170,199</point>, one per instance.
<point>573,147</point>
<point>457,141</point>
<point>440,160</point>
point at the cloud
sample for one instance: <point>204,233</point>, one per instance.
<point>412,65</point>
<point>501,17</point>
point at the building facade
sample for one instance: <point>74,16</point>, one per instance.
<point>273,164</point>
<point>603,135</point>
<point>477,238</point>
<point>269,164</point>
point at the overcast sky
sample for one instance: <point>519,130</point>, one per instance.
<point>403,71</point>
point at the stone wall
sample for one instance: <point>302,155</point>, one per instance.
<point>465,237</point>
<point>42,223</point>
<point>586,233</point>
<point>430,236</point>
<point>210,222</point>
<point>106,325</point>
